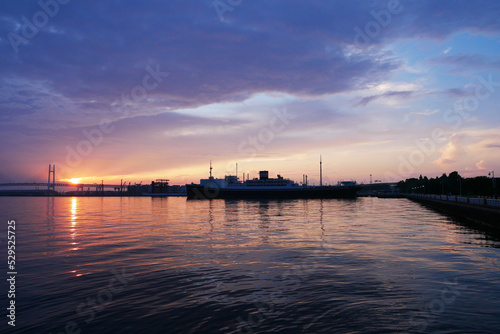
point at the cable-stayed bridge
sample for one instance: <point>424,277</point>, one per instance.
<point>52,184</point>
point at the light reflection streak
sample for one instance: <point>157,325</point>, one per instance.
<point>73,222</point>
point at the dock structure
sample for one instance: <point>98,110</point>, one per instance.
<point>485,211</point>
<point>377,189</point>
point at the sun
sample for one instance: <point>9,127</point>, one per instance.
<point>74,180</point>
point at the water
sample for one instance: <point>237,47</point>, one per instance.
<point>168,265</point>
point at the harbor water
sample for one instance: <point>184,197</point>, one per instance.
<point>171,265</point>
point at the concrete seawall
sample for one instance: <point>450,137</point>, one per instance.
<point>478,210</point>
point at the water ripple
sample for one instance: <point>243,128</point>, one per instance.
<point>169,265</point>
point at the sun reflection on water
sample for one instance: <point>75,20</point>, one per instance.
<point>74,217</point>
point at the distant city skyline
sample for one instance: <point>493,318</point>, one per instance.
<point>140,91</point>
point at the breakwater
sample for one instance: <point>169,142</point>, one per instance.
<point>484,211</point>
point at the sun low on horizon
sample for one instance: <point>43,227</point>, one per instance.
<point>74,180</point>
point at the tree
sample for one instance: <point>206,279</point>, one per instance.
<point>476,186</point>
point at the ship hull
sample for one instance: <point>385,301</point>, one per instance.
<point>196,191</point>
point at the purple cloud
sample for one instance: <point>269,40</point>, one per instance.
<point>462,62</point>
<point>365,100</point>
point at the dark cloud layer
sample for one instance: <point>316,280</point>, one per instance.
<point>98,50</point>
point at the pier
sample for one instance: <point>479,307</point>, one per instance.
<point>484,211</point>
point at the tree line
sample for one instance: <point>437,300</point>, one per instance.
<point>452,184</point>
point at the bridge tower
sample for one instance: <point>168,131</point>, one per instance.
<point>52,170</point>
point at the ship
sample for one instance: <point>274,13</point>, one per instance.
<point>264,187</point>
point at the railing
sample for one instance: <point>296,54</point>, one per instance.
<point>477,201</point>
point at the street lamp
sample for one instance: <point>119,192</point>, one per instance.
<point>492,174</point>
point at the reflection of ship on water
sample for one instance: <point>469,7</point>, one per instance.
<point>265,187</point>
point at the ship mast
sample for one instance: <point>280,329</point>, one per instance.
<point>320,171</point>
<point>210,178</point>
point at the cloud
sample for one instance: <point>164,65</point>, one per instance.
<point>422,113</point>
<point>401,94</point>
<point>453,151</point>
<point>440,19</point>
<point>297,49</point>
<point>208,61</point>
<point>480,165</point>
<point>492,146</point>
<point>467,61</point>
<point>456,92</point>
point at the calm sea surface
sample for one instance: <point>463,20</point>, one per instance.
<point>168,265</point>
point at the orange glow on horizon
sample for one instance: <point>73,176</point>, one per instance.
<point>74,180</point>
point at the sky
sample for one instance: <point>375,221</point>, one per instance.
<point>135,91</point>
